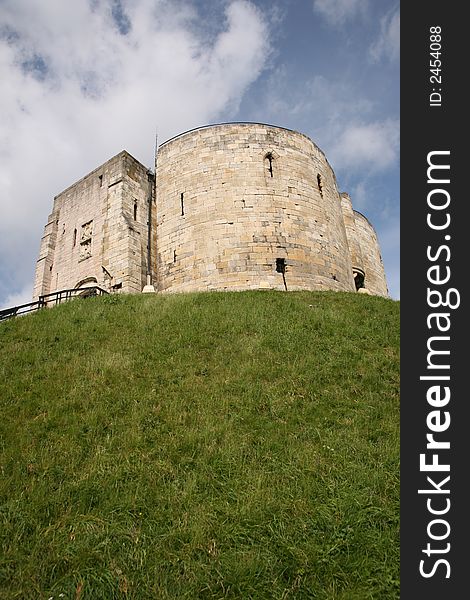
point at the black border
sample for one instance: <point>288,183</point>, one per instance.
<point>426,128</point>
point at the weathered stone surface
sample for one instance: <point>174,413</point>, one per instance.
<point>374,271</point>
<point>97,231</point>
<point>235,207</point>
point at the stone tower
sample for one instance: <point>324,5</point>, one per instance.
<point>233,206</point>
<point>97,233</point>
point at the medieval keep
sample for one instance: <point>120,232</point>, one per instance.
<point>234,206</point>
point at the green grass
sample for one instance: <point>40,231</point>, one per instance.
<point>222,445</point>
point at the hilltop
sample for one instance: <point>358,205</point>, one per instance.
<point>215,445</point>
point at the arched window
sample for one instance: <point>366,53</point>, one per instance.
<point>359,278</point>
<point>87,282</point>
<point>269,163</point>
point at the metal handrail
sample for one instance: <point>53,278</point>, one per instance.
<point>53,299</point>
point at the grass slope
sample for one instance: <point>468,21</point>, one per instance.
<point>221,445</point>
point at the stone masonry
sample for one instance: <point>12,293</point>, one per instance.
<point>234,206</point>
<point>97,233</point>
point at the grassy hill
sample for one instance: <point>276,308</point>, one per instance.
<point>222,445</point>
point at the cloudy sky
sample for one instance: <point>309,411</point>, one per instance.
<point>82,80</point>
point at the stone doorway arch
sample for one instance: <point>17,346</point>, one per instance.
<point>88,284</point>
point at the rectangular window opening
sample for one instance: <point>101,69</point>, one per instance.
<point>182,204</point>
<point>280,265</point>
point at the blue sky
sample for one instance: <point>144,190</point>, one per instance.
<point>83,80</point>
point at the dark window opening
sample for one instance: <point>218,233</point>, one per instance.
<point>74,237</point>
<point>182,204</point>
<point>174,256</point>
<point>359,278</point>
<point>100,177</point>
<point>269,163</point>
<point>281,265</point>
<point>281,268</point>
<point>320,184</point>
<point>135,210</point>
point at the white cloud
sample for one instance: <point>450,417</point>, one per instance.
<point>344,122</point>
<point>359,195</point>
<point>337,12</point>
<point>18,298</point>
<point>83,80</point>
<point>387,44</point>
<point>371,147</point>
<point>326,106</point>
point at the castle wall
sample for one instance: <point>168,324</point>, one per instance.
<point>357,261</point>
<point>375,281</point>
<point>234,206</point>
<point>92,236</point>
<point>235,200</point>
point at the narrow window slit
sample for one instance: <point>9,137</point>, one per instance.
<point>74,237</point>
<point>269,163</point>
<point>320,184</point>
<point>182,204</point>
<point>135,210</point>
<point>174,256</point>
<point>100,177</point>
